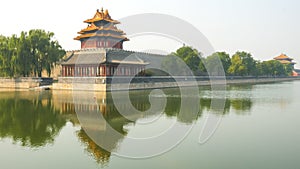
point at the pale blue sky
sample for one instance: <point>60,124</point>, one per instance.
<point>266,28</point>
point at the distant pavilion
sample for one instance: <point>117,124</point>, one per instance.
<point>284,59</point>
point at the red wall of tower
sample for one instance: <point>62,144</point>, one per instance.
<point>100,44</point>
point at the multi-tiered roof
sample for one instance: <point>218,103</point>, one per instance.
<point>101,32</point>
<point>284,59</point>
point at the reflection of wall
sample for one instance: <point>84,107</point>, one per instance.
<point>67,102</point>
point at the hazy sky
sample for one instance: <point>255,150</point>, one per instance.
<point>266,28</point>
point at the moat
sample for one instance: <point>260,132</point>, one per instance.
<point>259,129</point>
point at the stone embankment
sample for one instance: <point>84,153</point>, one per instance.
<point>24,83</point>
<point>140,83</point>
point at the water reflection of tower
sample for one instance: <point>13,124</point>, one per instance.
<point>89,106</point>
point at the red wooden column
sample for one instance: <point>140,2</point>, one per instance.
<point>73,70</point>
<point>104,70</point>
<point>67,71</point>
<point>63,71</point>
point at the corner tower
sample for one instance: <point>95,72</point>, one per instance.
<point>101,32</point>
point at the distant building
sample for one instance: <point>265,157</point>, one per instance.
<point>296,72</point>
<point>284,59</point>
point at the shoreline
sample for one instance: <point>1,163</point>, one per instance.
<point>94,84</point>
<point>162,85</point>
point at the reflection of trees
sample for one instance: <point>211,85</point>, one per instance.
<point>140,100</point>
<point>241,105</point>
<point>240,87</point>
<point>33,123</point>
<point>173,107</point>
<point>187,115</point>
<point>206,105</point>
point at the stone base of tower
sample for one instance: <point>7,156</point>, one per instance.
<point>79,87</point>
<point>80,84</point>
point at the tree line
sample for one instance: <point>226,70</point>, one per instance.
<point>35,51</point>
<point>29,54</point>
<point>220,63</point>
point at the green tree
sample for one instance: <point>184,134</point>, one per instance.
<point>236,67</point>
<point>275,68</point>
<point>8,55</point>
<point>202,67</point>
<point>44,51</point>
<point>242,64</point>
<point>218,63</point>
<point>266,68</point>
<point>259,68</point>
<point>3,55</point>
<point>191,57</point>
<point>278,68</point>
<point>53,55</point>
<point>288,69</point>
<point>24,60</point>
<point>31,53</point>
